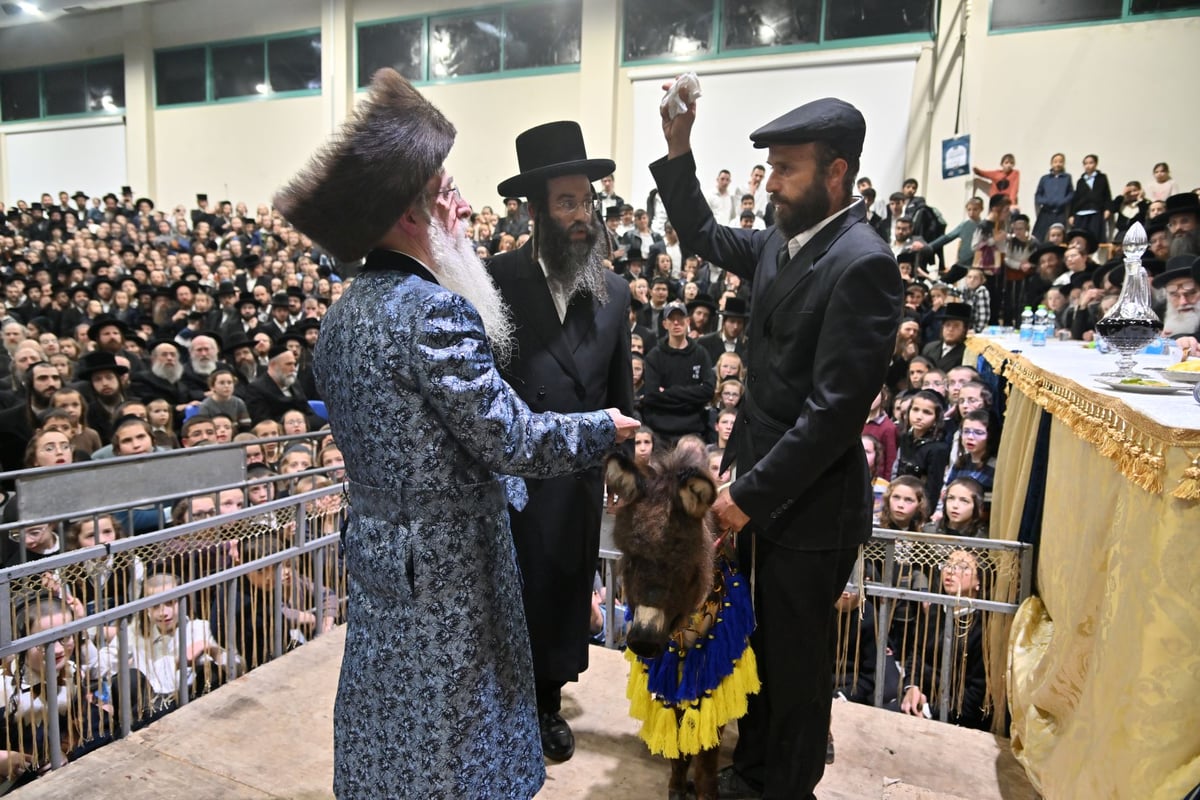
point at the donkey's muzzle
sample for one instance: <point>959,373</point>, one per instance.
<point>647,634</point>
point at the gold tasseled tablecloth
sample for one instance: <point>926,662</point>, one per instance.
<point>1104,662</point>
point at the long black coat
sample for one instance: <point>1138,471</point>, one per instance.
<point>823,329</point>
<point>581,364</point>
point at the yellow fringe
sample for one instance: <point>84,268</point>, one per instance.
<point>1136,444</point>
<point>669,732</point>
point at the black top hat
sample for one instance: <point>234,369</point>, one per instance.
<point>959,311</point>
<point>279,300</point>
<point>612,212</point>
<point>1182,203</point>
<point>634,253</point>
<point>306,324</point>
<point>98,361</point>
<point>78,194</point>
<point>736,308</point>
<point>1037,254</point>
<point>107,321</point>
<point>549,151</point>
<point>702,301</point>
<point>1088,236</point>
<point>236,342</point>
<point>1177,267</point>
<point>226,288</point>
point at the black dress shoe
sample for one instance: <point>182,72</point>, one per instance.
<point>558,743</point>
<point>732,786</point>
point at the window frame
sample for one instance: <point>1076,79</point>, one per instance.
<point>718,52</point>
<point>41,90</point>
<point>1126,17</point>
<point>502,73</point>
<point>209,79</point>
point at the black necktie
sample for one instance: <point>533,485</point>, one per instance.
<point>783,257</point>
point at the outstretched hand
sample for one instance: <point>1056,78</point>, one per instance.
<point>626,426</point>
<point>678,130</point>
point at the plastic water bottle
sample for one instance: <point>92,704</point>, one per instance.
<point>1027,324</point>
<point>1040,323</point>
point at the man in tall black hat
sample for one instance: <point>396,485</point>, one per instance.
<point>947,352</point>
<point>825,309</point>
<point>731,337</point>
<point>428,427</point>
<point>280,315</point>
<point>1183,223</point>
<point>101,380</point>
<point>1181,317</point>
<point>247,320</point>
<point>572,354</point>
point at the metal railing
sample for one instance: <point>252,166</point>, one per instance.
<point>900,571</point>
<point>291,582</point>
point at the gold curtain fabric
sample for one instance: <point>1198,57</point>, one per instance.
<point>1104,666</point>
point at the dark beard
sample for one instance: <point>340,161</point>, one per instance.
<point>795,215</point>
<point>573,268</point>
<point>1186,244</point>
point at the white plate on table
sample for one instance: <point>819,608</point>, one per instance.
<point>1137,388</point>
<point>1178,376</point>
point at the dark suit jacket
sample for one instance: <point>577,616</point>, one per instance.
<point>266,400</point>
<point>823,330</point>
<point>581,364</point>
<point>714,345</point>
<point>952,359</point>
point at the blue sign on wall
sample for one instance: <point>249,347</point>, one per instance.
<point>956,156</point>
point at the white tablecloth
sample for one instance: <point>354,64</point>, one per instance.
<point>1075,362</point>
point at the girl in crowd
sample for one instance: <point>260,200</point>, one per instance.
<point>963,513</point>
<point>154,650</point>
<point>82,437</point>
<point>160,415</point>
<point>85,719</point>
<point>961,577</point>
<point>900,407</point>
<point>49,448</point>
<point>724,427</point>
<point>917,369</point>
<point>110,580</point>
<point>57,419</point>
<point>294,422</point>
<point>643,446</point>
<point>330,457</point>
<point>977,450</point>
<point>923,454</point>
<point>873,450</point>
<point>905,507</point>
<point>268,429</point>
<point>69,347</point>
<point>880,426</point>
<point>729,366</point>
<point>638,364</point>
<point>935,381</point>
<point>221,399</point>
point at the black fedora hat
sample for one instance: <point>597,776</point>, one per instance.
<point>236,342</point>
<point>549,151</point>
<point>702,301</point>
<point>1182,203</point>
<point>1087,236</point>
<point>107,321</point>
<point>99,361</point>
<point>959,311</point>
<point>1177,267</point>
<point>1037,254</point>
<point>736,308</point>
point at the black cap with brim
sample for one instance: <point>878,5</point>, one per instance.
<point>551,151</point>
<point>826,120</point>
<point>1088,236</point>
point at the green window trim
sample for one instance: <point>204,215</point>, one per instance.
<point>427,19</point>
<point>716,52</point>
<point>210,97</point>
<point>41,69</point>
<point>1127,16</point>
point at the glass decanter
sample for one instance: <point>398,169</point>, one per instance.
<point>1131,324</point>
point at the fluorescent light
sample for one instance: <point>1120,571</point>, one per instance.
<point>29,8</point>
<point>263,88</point>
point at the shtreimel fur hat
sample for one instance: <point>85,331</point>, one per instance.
<point>360,182</point>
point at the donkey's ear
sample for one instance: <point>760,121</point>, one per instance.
<point>621,476</point>
<point>697,493</point>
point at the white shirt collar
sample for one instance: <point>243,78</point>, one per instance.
<point>804,237</point>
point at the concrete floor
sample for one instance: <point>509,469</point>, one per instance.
<point>270,735</point>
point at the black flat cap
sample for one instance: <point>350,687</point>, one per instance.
<point>825,120</point>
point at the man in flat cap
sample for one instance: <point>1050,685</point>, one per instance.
<point>572,354</point>
<point>824,312</point>
<point>436,695</point>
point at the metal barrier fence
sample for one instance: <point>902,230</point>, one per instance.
<point>99,641</point>
<point>923,610</point>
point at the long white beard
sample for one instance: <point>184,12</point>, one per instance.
<point>460,270</point>
<point>1176,322</point>
<point>204,366</point>
<point>170,374</point>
